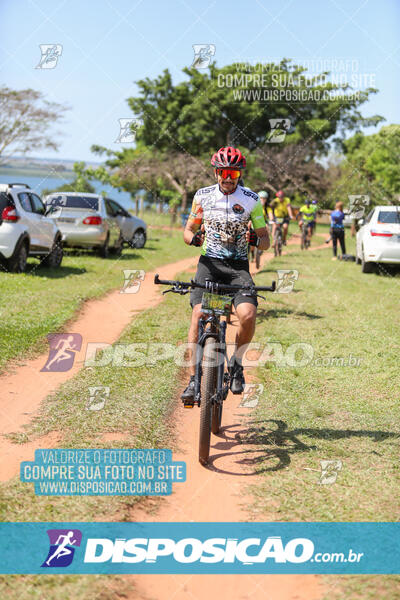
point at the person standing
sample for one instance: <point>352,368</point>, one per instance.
<point>337,229</point>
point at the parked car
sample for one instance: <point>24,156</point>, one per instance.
<point>25,230</point>
<point>378,239</point>
<point>92,221</point>
<point>133,229</point>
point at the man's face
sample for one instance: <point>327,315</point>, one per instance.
<point>228,185</point>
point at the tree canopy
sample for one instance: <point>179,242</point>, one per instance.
<point>26,121</point>
<point>184,123</point>
<point>371,165</point>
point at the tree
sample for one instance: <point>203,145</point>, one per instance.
<point>183,124</point>
<point>229,106</point>
<point>25,121</point>
<point>371,165</point>
<point>80,183</point>
<point>292,170</point>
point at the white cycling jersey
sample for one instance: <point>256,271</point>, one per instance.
<point>225,219</point>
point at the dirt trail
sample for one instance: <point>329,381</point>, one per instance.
<point>27,386</point>
<point>231,468</point>
<point>230,465</point>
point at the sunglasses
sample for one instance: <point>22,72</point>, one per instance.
<point>232,173</point>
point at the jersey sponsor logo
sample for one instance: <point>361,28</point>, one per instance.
<point>238,209</point>
<point>250,193</point>
<point>206,190</point>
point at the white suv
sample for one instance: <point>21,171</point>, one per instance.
<point>25,231</point>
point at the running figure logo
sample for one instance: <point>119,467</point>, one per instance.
<point>202,55</point>
<point>286,280</point>
<point>278,131</point>
<point>128,130</point>
<point>62,351</point>
<point>357,205</point>
<point>61,551</point>
<point>50,55</point>
<point>329,471</point>
<point>251,394</point>
<point>133,280</point>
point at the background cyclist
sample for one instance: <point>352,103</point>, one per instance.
<point>282,211</point>
<point>307,215</point>
<point>219,223</point>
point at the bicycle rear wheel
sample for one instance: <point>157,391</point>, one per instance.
<point>207,389</point>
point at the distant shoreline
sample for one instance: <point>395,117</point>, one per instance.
<point>11,171</point>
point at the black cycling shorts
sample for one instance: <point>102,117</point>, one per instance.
<point>228,271</point>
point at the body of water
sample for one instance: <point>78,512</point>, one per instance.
<point>41,182</point>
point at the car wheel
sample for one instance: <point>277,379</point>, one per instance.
<point>104,250</point>
<point>54,258</point>
<point>366,267</point>
<point>138,239</point>
<point>17,263</point>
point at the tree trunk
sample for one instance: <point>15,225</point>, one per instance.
<point>173,215</point>
<point>184,201</point>
<point>136,205</point>
<point>158,205</point>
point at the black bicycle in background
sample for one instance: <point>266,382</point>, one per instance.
<point>212,377</point>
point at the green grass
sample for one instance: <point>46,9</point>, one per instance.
<point>41,300</point>
<point>306,414</point>
<point>313,413</point>
<point>140,405</point>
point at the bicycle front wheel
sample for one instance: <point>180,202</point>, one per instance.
<point>207,390</point>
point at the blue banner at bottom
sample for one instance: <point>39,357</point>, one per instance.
<point>218,548</point>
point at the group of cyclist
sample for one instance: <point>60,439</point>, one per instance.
<point>225,219</point>
<point>279,212</point>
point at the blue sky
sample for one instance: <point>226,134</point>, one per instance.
<point>110,44</point>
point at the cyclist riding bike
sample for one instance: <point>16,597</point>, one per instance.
<point>282,211</point>
<point>218,222</point>
<point>307,215</point>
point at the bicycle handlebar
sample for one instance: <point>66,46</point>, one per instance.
<point>218,287</point>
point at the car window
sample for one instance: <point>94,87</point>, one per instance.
<point>109,209</point>
<point>388,216</point>
<point>87,202</point>
<point>369,216</point>
<point>117,208</point>
<point>25,202</point>
<point>4,201</point>
<point>37,204</point>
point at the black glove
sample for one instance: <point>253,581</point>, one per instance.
<point>196,239</point>
<point>253,239</point>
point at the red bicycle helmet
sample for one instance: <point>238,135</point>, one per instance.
<point>228,157</point>
<point>280,194</point>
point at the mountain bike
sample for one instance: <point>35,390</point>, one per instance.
<point>305,240</point>
<point>278,237</point>
<point>213,374</point>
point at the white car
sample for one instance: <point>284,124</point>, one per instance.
<point>25,230</point>
<point>378,239</point>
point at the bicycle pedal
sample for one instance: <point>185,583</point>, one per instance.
<point>188,403</point>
